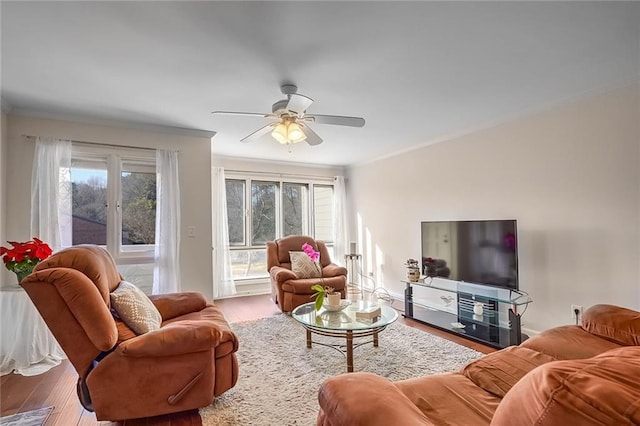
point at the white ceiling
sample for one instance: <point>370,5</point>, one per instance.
<point>416,71</point>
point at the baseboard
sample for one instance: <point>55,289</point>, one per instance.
<point>530,332</point>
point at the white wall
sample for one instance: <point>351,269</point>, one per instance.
<point>195,172</point>
<point>569,175</point>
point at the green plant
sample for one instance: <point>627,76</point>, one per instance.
<point>321,293</point>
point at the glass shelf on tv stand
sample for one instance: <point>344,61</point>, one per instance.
<point>511,297</point>
<point>499,324</point>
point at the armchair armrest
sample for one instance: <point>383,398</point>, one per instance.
<point>341,402</point>
<point>173,339</point>
<point>333,270</point>
<point>280,274</point>
<point>614,323</point>
<point>175,304</point>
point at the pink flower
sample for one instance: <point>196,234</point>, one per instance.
<point>309,251</point>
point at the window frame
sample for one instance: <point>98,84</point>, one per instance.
<point>115,160</point>
<point>280,180</point>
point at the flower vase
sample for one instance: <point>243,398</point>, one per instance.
<point>333,299</point>
<point>22,273</point>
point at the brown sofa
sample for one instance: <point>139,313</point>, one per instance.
<point>289,291</point>
<point>570,375</point>
<point>181,366</point>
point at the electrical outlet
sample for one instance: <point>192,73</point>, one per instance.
<point>574,309</point>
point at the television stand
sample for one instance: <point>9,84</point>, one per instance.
<point>449,306</point>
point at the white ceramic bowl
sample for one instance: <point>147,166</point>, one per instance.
<point>335,308</point>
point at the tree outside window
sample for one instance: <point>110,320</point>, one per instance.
<point>277,208</point>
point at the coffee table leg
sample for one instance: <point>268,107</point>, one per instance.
<point>308,338</point>
<point>349,351</point>
<point>375,339</point>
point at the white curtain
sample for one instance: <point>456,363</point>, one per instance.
<point>340,224</point>
<point>166,271</point>
<point>51,192</point>
<point>223,284</point>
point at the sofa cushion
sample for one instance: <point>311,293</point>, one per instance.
<point>303,286</point>
<point>302,265</point>
<point>603,390</point>
<point>135,308</point>
<point>213,315</point>
<point>569,342</point>
<point>292,243</point>
<point>447,398</point>
<point>497,372</point>
<point>173,305</point>
<point>124,331</point>
<point>620,325</point>
<point>342,403</point>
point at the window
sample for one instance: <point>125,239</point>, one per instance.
<point>114,205</point>
<point>261,210</point>
<point>323,206</point>
<point>138,186</point>
<point>235,190</point>
<point>295,208</point>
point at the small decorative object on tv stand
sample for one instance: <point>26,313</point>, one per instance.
<point>482,313</point>
<point>413,270</point>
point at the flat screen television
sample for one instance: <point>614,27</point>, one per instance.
<point>474,251</point>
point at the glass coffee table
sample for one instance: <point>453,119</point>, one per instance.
<point>344,325</point>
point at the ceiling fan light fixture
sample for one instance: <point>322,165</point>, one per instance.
<point>291,120</point>
<point>280,133</point>
<point>288,132</point>
<point>295,133</point>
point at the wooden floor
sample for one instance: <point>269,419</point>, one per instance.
<point>57,386</point>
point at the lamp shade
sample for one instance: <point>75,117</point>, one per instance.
<point>280,133</point>
<point>295,133</point>
<point>288,132</point>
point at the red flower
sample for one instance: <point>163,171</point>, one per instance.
<point>42,250</point>
<point>24,256</point>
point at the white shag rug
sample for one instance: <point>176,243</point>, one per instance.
<point>279,377</point>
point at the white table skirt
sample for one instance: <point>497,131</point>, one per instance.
<point>27,345</point>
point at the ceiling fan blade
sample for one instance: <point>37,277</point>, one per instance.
<point>338,120</point>
<point>258,133</point>
<point>261,114</point>
<point>312,137</point>
<point>298,104</point>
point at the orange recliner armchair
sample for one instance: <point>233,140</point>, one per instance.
<point>183,365</point>
<point>289,291</point>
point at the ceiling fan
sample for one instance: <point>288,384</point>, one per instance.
<point>292,123</point>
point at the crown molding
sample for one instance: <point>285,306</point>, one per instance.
<point>222,159</point>
<point>146,127</point>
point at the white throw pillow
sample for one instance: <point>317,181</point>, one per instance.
<point>303,267</point>
<point>135,308</point>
